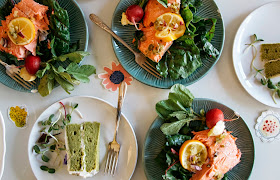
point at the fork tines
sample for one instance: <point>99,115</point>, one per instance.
<point>151,69</point>
<point>26,84</point>
<point>112,160</point>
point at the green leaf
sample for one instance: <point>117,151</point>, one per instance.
<point>42,72</point>
<point>36,149</point>
<point>46,85</point>
<point>68,77</point>
<point>76,57</point>
<point>76,106</point>
<point>44,168</point>
<point>187,15</point>
<point>176,140</point>
<point>174,127</point>
<point>60,69</point>
<point>64,83</point>
<point>166,107</point>
<point>270,85</point>
<point>181,94</point>
<point>163,2</point>
<point>51,170</point>
<point>45,158</point>
<point>81,73</point>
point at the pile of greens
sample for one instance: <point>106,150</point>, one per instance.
<point>185,54</point>
<point>60,51</point>
<point>179,122</point>
<point>60,60</point>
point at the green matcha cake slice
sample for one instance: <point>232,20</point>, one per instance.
<point>272,68</point>
<point>91,142</point>
<point>82,146</point>
<point>270,51</point>
<point>74,147</point>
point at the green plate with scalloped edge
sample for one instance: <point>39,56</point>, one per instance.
<point>155,141</point>
<point>209,9</point>
<point>78,31</point>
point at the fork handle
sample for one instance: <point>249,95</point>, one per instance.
<point>3,63</point>
<point>122,92</point>
<point>94,18</point>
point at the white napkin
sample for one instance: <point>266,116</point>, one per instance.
<point>2,144</point>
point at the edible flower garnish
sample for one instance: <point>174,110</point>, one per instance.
<point>18,115</point>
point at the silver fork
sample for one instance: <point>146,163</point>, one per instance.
<point>114,146</point>
<point>139,57</point>
<point>13,72</point>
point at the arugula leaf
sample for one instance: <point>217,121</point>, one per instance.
<point>46,85</point>
<point>81,73</point>
<point>179,99</point>
<point>40,73</point>
<point>176,140</point>
<point>180,93</point>
<point>76,56</point>
<point>163,2</point>
<point>67,86</point>
<point>174,127</point>
<point>193,5</point>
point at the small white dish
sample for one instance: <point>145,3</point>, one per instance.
<point>2,145</point>
<point>92,109</point>
<point>264,23</point>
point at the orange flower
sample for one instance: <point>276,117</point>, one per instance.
<point>114,77</point>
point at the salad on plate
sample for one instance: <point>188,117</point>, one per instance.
<point>35,35</point>
<point>197,144</point>
<point>172,35</point>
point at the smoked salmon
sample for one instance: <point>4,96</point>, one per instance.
<point>37,13</point>
<point>223,155</point>
<point>149,45</point>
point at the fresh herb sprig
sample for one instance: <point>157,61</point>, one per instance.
<point>52,127</point>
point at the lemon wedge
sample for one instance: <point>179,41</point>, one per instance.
<point>169,27</point>
<point>21,31</point>
<point>25,75</point>
<point>192,155</point>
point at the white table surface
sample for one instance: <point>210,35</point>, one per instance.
<point>221,84</point>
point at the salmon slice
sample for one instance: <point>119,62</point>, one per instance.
<point>149,45</point>
<point>223,155</point>
<point>152,47</point>
<point>154,9</point>
<point>37,13</point>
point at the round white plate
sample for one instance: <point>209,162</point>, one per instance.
<point>92,109</point>
<point>2,145</point>
<point>264,22</point>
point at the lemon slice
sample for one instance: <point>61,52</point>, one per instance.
<point>169,27</point>
<point>192,155</point>
<point>21,31</point>
<point>25,75</point>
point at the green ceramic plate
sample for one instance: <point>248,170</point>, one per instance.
<point>78,31</point>
<point>126,58</point>
<point>155,141</point>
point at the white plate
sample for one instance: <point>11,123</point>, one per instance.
<point>92,109</point>
<point>264,22</point>
<point>2,144</point>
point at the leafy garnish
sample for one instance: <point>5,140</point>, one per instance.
<point>6,9</point>
<point>67,77</point>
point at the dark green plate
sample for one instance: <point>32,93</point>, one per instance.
<point>78,31</point>
<point>126,58</point>
<point>155,140</point>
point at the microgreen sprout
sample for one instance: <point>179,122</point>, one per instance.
<point>264,81</point>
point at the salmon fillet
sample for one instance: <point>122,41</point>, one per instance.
<point>37,13</point>
<point>149,45</point>
<point>223,155</point>
<point>154,9</point>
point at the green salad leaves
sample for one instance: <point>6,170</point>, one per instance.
<point>186,52</point>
